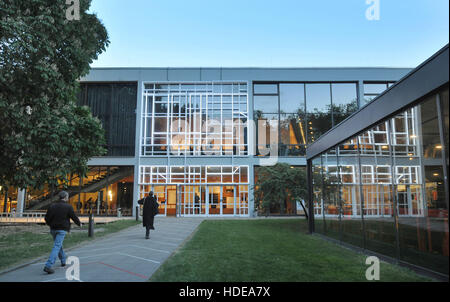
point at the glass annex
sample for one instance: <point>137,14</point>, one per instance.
<point>384,186</point>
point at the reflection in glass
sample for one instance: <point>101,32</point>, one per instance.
<point>292,135</point>
<point>265,89</point>
<point>345,101</point>
<point>266,104</point>
<point>292,98</point>
<point>267,133</point>
<point>330,193</point>
<point>318,98</point>
<point>395,183</point>
<point>351,224</point>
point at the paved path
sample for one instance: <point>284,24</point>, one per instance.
<point>123,257</point>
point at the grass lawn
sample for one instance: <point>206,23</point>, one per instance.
<point>268,250</point>
<point>21,243</point>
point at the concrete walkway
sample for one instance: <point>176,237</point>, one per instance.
<point>123,257</point>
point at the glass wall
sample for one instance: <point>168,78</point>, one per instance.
<point>301,112</point>
<point>8,199</point>
<point>385,189</point>
<point>197,190</point>
<point>181,119</point>
<point>103,191</point>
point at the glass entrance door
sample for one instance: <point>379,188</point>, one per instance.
<point>171,203</point>
<point>192,200</point>
<point>161,197</point>
<point>215,200</point>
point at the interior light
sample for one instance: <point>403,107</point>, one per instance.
<point>384,147</point>
<point>413,136</point>
<point>410,158</point>
<point>438,147</point>
<point>435,174</point>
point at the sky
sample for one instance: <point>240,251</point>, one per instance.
<point>277,33</point>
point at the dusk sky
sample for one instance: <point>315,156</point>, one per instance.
<point>261,33</point>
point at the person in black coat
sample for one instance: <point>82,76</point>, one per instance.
<point>150,209</point>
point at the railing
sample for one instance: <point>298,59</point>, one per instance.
<point>25,217</point>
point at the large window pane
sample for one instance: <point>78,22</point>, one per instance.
<point>420,190</point>
<point>318,123</point>
<point>292,135</point>
<point>317,198</point>
<point>374,88</point>
<point>292,98</point>
<point>318,98</point>
<point>265,89</point>
<point>266,104</point>
<point>351,223</point>
<point>318,106</point>
<point>431,143</point>
<point>331,203</point>
<point>378,211</point>
<point>345,101</point>
<point>267,133</point>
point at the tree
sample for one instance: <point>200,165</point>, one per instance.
<point>276,185</point>
<point>44,134</point>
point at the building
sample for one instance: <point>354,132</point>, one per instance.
<point>191,134</point>
<point>379,179</point>
<point>186,133</point>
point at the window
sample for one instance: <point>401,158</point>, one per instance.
<point>265,89</point>
<point>183,119</point>
<point>266,104</point>
<point>292,98</point>
<point>374,89</point>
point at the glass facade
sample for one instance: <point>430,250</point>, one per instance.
<point>103,191</point>
<point>384,190</point>
<point>8,199</point>
<point>197,190</point>
<point>301,112</point>
<point>181,119</point>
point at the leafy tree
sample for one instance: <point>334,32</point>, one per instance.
<point>44,134</point>
<point>276,185</point>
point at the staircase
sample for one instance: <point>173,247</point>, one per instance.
<point>93,186</point>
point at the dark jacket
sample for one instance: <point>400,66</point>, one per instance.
<point>58,216</point>
<point>149,211</point>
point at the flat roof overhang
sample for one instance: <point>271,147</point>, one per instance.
<point>424,80</point>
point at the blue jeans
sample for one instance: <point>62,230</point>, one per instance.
<point>58,237</point>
